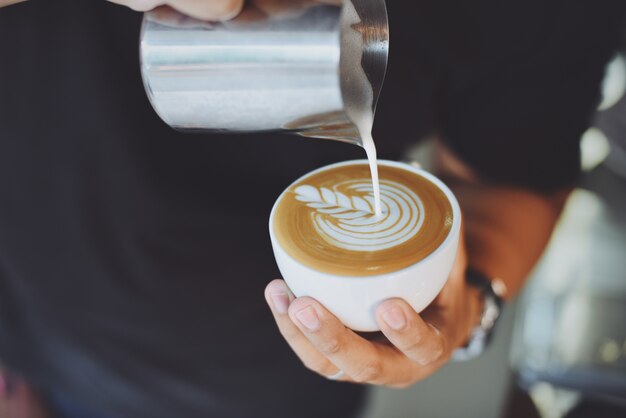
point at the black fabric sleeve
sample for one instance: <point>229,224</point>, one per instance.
<point>523,81</point>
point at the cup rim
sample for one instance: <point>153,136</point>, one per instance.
<point>452,233</point>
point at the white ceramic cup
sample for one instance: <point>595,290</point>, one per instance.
<point>353,299</point>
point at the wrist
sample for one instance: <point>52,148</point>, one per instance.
<point>488,302</point>
<point>475,302</point>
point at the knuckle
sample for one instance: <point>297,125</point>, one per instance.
<point>371,371</point>
<point>439,350</point>
<point>414,345</point>
<point>330,346</point>
<point>425,361</point>
<point>437,353</point>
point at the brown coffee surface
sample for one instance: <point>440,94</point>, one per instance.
<point>327,221</point>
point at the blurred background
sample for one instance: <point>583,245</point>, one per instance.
<point>560,349</point>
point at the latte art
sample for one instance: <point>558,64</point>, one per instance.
<point>348,220</point>
<point>328,222</point>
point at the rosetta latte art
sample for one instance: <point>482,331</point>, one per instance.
<point>347,220</point>
<point>327,221</point>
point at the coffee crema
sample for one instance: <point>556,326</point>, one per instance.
<point>327,221</point>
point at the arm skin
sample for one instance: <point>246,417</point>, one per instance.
<point>505,230</point>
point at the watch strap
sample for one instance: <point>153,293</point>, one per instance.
<point>492,291</point>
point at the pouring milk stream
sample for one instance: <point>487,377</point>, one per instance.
<point>312,69</point>
<point>358,92</point>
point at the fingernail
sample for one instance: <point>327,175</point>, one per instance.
<point>395,318</point>
<point>308,318</point>
<point>280,302</point>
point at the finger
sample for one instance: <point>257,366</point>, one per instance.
<point>420,341</point>
<point>362,360</point>
<point>279,297</point>
<point>139,5</point>
<point>200,9</point>
<point>166,16</point>
<point>208,10</point>
<point>9,2</point>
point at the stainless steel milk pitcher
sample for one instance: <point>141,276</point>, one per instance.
<point>279,66</point>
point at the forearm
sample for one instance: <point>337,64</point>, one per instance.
<point>506,228</point>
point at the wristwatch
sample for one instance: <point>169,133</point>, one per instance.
<point>493,291</point>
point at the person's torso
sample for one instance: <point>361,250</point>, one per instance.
<point>132,257</point>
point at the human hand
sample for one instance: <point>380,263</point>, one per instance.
<point>9,2</point>
<point>200,9</point>
<point>414,346</point>
<point>215,10</point>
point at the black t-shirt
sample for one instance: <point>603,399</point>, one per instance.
<point>132,264</point>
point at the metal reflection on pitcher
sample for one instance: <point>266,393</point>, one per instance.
<point>279,66</point>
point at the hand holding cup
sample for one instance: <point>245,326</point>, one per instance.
<point>348,269</point>
<point>412,347</point>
